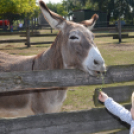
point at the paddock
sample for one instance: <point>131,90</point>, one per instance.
<point>112,32</point>
<point>85,113</point>
<point>78,122</point>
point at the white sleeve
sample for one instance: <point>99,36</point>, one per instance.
<point>118,110</point>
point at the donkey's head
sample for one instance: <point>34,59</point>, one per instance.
<point>77,44</point>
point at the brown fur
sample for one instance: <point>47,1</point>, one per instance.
<point>91,21</point>
<point>64,53</point>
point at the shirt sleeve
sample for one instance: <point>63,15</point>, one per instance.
<point>118,110</point>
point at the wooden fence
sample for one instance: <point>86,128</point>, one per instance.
<point>29,35</point>
<point>79,122</point>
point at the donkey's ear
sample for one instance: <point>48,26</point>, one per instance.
<point>90,23</point>
<point>55,20</point>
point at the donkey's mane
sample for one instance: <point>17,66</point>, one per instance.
<point>56,39</point>
<point>58,61</point>
<point>55,52</point>
<point>53,44</point>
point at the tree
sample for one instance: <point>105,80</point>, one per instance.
<point>90,5</point>
<point>57,8</point>
<point>52,6</point>
<point>115,7</point>
<point>61,10</point>
<point>12,9</point>
<point>83,2</point>
<point>131,2</point>
<point>17,6</point>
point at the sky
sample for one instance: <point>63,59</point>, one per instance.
<point>52,1</point>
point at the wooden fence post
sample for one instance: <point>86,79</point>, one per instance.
<point>3,25</point>
<point>32,25</point>
<point>28,36</point>
<point>119,28</point>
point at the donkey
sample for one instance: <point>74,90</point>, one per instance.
<point>73,48</point>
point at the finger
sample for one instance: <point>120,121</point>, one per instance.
<point>101,93</point>
<point>99,96</point>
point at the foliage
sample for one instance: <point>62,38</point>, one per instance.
<point>14,9</point>
<point>114,7</point>
<point>90,5</point>
<point>83,2</point>
<point>122,8</point>
<point>61,11</point>
<point>57,8</point>
<point>52,6</point>
<point>17,6</point>
<point>131,2</point>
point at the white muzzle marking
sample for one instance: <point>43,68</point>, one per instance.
<point>94,61</point>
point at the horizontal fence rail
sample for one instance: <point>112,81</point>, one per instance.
<point>81,122</point>
<point>39,43</point>
<point>15,33</point>
<point>13,41</point>
<point>39,35</point>
<point>110,35</point>
<point>15,81</point>
<point>121,94</point>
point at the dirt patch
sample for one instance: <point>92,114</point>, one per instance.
<point>68,107</point>
<point>9,46</point>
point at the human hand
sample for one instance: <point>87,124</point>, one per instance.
<point>132,112</point>
<point>102,96</point>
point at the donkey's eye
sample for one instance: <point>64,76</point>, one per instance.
<point>73,37</point>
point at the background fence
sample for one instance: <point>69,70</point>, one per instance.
<point>110,32</point>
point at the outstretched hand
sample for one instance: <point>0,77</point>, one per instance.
<point>102,96</point>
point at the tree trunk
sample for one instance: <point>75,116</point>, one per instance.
<point>3,25</point>
<point>11,25</point>
<point>32,25</point>
<point>119,25</point>
<point>108,19</point>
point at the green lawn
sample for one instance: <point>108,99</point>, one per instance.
<point>80,98</point>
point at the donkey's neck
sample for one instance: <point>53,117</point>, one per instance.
<point>52,58</point>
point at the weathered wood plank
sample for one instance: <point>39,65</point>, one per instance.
<point>15,33</point>
<point>15,81</point>
<point>13,41</point>
<point>117,131</point>
<point>124,37</point>
<point>110,35</point>
<point>126,131</point>
<point>39,35</point>
<point>89,121</point>
<point>121,94</point>
<point>128,30</point>
<point>39,43</point>
<point>96,36</point>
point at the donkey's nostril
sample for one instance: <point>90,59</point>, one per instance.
<point>96,62</point>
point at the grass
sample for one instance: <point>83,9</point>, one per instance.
<point>80,98</point>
